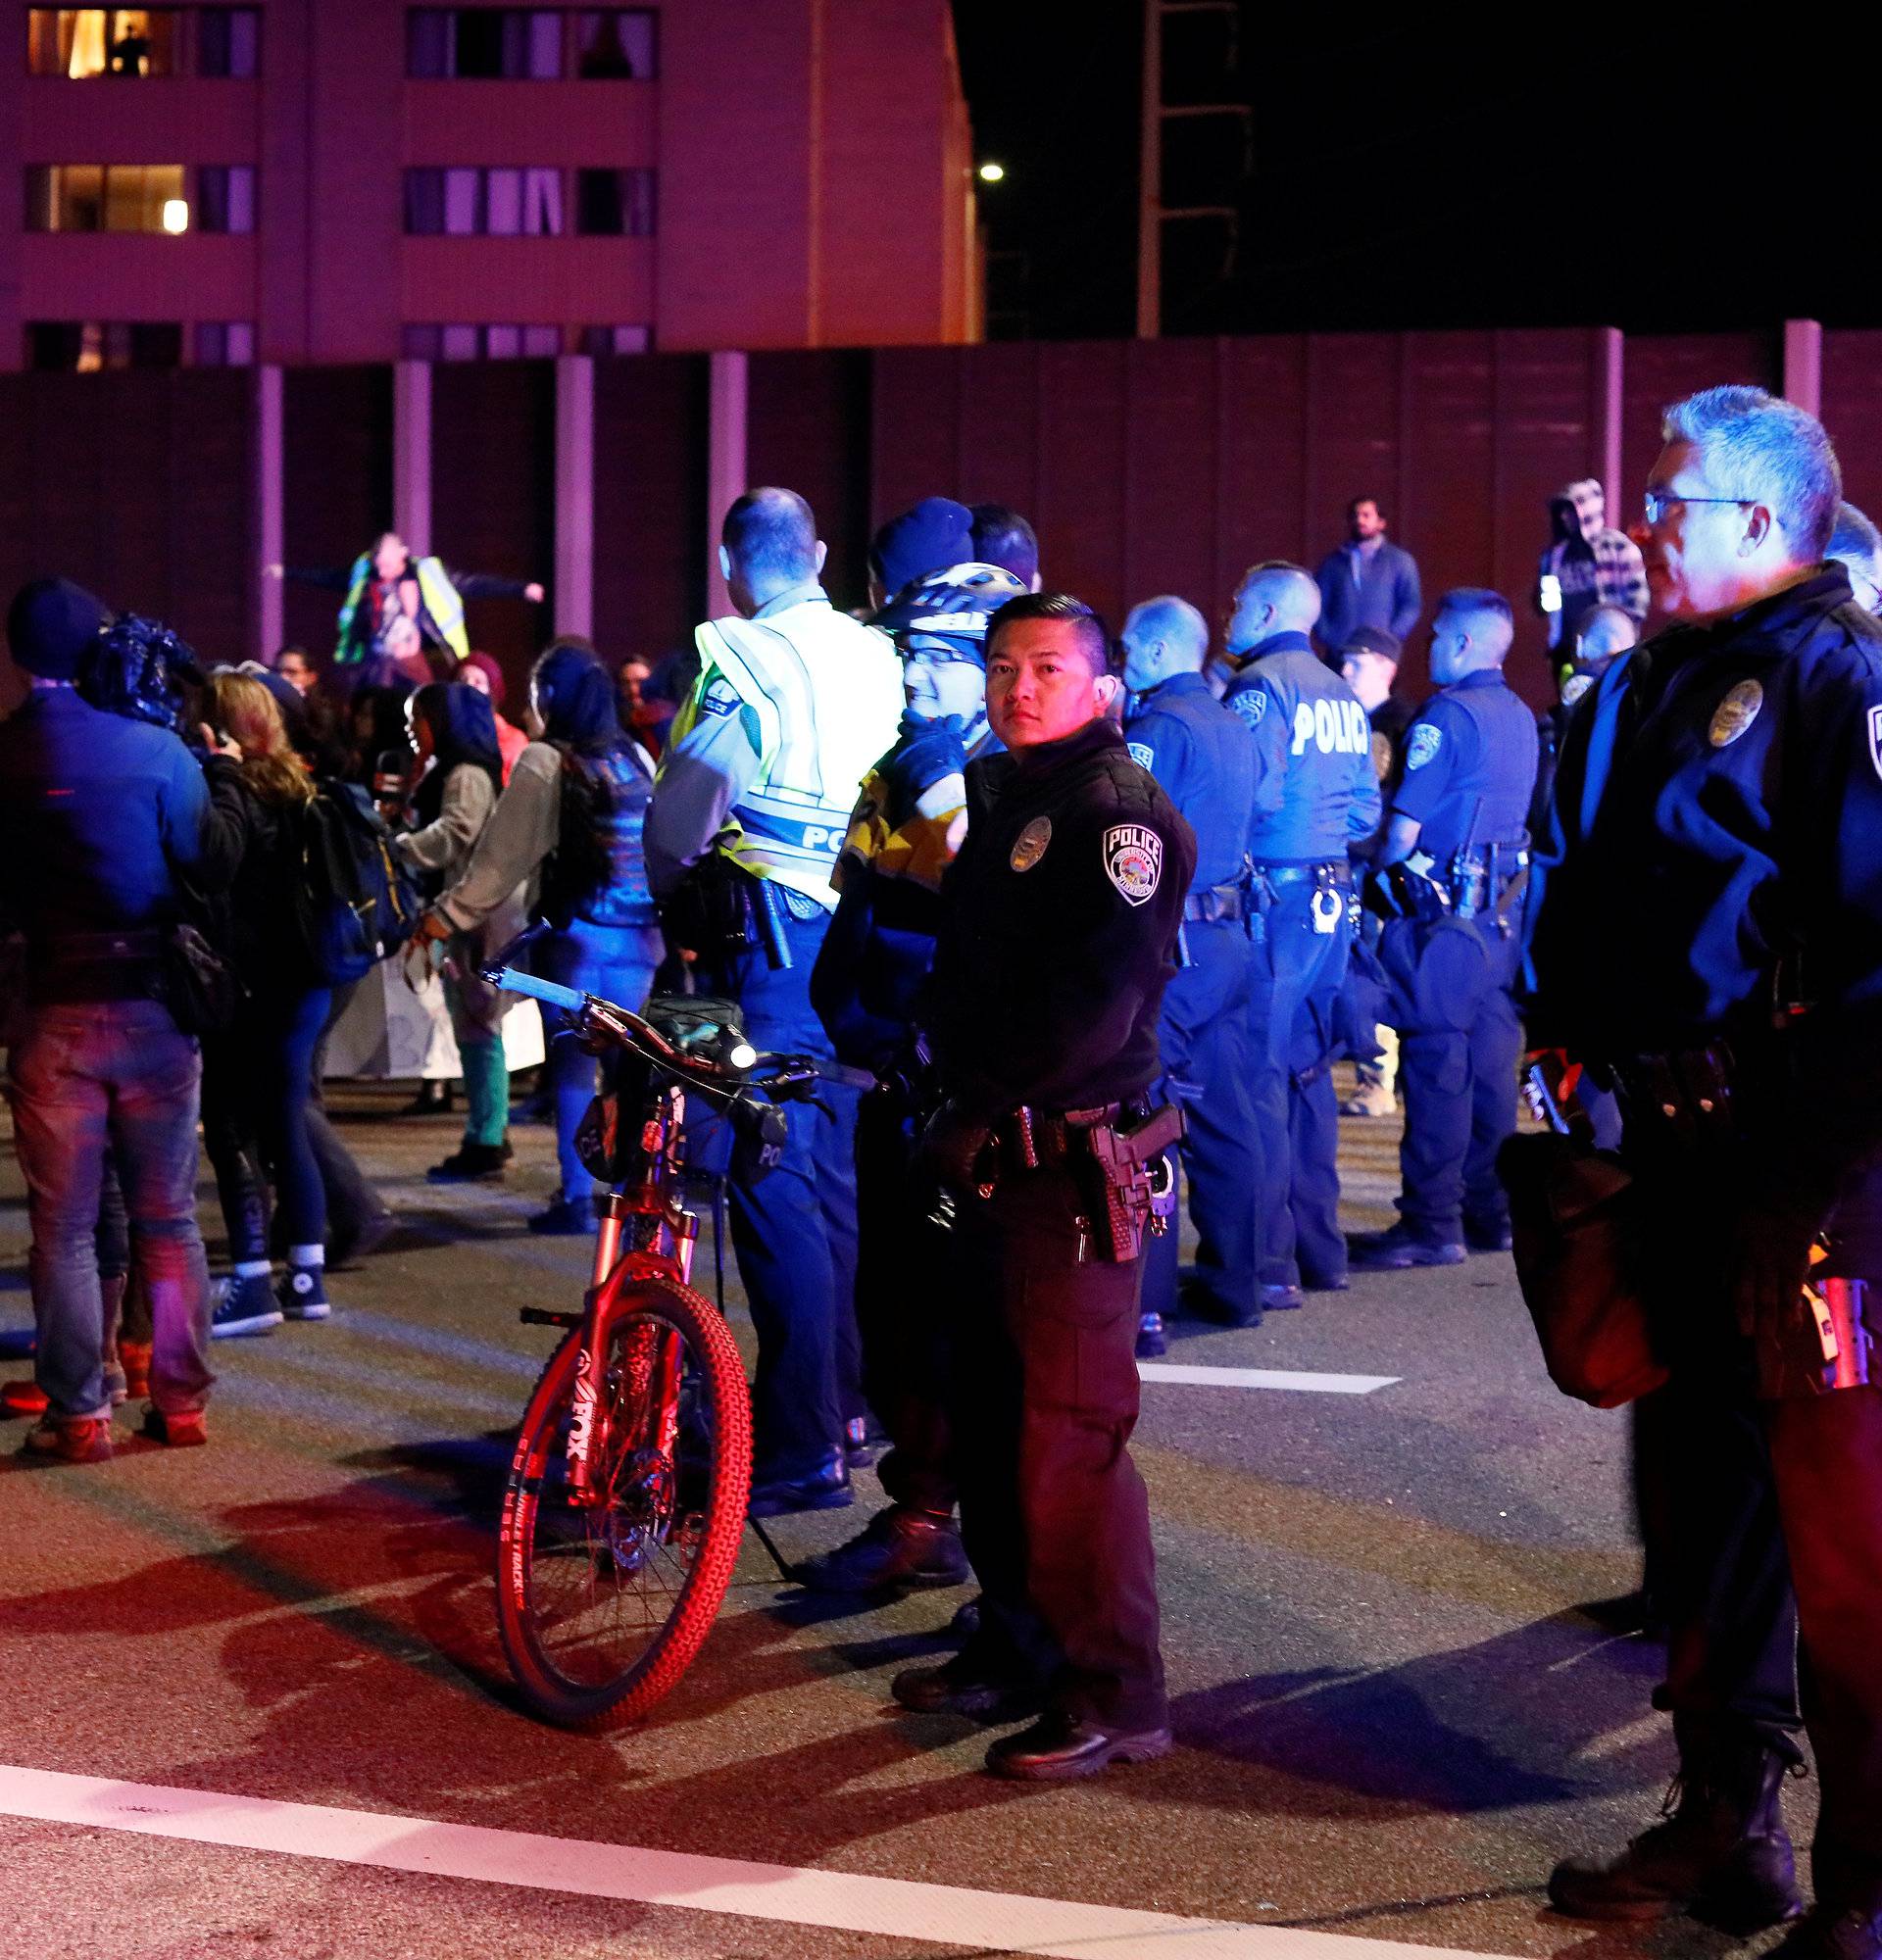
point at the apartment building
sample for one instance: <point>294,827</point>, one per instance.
<point>301,181</point>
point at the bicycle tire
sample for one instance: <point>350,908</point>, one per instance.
<point>629,1694</point>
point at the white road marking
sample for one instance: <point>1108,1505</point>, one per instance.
<point>845,1901</point>
<point>1300,1379</point>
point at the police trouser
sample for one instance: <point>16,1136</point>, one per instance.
<point>794,1230</point>
<point>1053,1515</point>
<point>1458,1083</point>
<point>903,1307</point>
<point>1295,976</point>
<point>1757,1497</point>
<point>1204,1044</point>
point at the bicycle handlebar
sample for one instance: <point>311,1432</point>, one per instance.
<point>567,998</point>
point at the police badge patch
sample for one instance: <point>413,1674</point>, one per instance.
<point>1140,753</point>
<point>1875,739</point>
<point>1030,845</point>
<point>1134,861</point>
<point>1424,745</point>
<point>1735,713</point>
<point>1250,704</point>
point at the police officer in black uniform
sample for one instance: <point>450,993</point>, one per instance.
<point>1316,794</point>
<point>1202,755</point>
<point>1710,933</point>
<point>1457,835</point>
<point>1058,938</point>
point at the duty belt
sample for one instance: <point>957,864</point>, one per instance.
<point>1028,1138</point>
<point>1314,871</point>
<point>1219,902</point>
<point>1487,883</point>
<point>1689,1091</point>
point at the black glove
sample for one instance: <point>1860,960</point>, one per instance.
<point>952,1149</point>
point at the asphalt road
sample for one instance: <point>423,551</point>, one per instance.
<point>1391,1714</point>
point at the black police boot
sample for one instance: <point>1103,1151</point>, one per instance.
<point>1487,1232</point>
<point>965,1686</point>
<point>1397,1249</point>
<point>825,1488</point>
<point>1058,1746</point>
<point>1720,1853</point>
<point>898,1546</point>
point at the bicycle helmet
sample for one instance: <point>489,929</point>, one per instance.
<point>952,606</point>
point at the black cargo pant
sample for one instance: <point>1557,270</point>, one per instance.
<point>1055,1517</point>
<point>1771,1567</point>
<point>901,1307</point>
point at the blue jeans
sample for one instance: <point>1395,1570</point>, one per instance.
<point>86,1078</point>
<point>615,962</point>
<point>794,1231</point>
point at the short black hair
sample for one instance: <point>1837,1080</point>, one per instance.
<point>772,533</point>
<point>1478,599</point>
<point>1093,636</point>
<point>1003,537</point>
<point>1357,500</point>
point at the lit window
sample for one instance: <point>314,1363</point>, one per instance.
<point>83,42</point>
<point>503,343</point>
<point>498,202</point>
<point>459,343</point>
<point>463,203</point>
<point>615,204</point>
<point>125,197</point>
<point>616,45</point>
<point>85,346</point>
<point>483,43</point>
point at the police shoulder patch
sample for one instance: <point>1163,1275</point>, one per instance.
<point>1574,687</point>
<point>721,698</point>
<point>1250,704</point>
<point>1142,754</point>
<point>1134,861</point>
<point>1426,739</point>
<point>1875,739</point>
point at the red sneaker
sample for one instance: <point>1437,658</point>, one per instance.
<point>182,1429</point>
<point>73,1439</point>
<point>22,1399</point>
<point>133,1357</point>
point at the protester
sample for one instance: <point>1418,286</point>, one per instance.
<point>483,673</point>
<point>295,666</point>
<point>578,794</point>
<point>454,732</point>
<point>1587,563</point>
<point>1002,536</point>
<point>1366,582</point>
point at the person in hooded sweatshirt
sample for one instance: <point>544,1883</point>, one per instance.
<point>1587,563</point>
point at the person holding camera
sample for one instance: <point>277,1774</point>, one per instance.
<point>793,706</point>
<point>101,818</point>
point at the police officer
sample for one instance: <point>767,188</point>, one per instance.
<point>1315,793</point>
<point>1202,757</point>
<point>793,702</point>
<point>874,961</point>
<point>1458,827</point>
<point>1060,928</point>
<point>1709,932</point>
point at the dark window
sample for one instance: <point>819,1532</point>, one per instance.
<point>419,342</point>
<point>423,203</point>
<point>468,203</point>
<point>483,43</point>
<point>83,346</point>
<point>225,198</point>
<point>153,343</point>
<point>617,44</point>
<point>225,343</point>
<point>228,42</point>
<point>615,204</point>
<point>605,341</point>
<point>55,344</point>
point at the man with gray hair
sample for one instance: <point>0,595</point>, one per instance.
<point>1203,755</point>
<point>1857,545</point>
<point>1316,794</point>
<point>1709,938</point>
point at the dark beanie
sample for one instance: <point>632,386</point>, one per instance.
<point>1373,640</point>
<point>50,625</point>
<point>937,533</point>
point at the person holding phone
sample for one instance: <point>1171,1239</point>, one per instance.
<point>1587,563</point>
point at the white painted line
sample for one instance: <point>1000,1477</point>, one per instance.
<point>845,1901</point>
<point>1264,1378</point>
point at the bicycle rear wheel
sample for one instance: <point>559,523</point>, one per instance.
<point>603,1607</point>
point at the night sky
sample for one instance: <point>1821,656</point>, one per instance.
<point>1620,175</point>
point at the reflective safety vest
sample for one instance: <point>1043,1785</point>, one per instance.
<point>442,604</point>
<point>825,693</point>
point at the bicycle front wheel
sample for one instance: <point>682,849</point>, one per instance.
<point>602,1607</point>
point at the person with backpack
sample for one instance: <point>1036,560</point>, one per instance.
<point>568,828</point>
<point>454,734</point>
<point>258,1070</point>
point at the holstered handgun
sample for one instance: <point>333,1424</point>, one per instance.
<point>1127,1163</point>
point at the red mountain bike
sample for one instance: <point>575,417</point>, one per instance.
<point>626,1494</point>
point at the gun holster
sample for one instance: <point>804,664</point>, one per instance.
<point>722,912</point>
<point>1134,1184</point>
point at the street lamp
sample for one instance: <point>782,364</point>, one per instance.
<point>992,174</point>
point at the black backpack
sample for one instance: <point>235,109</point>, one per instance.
<point>357,903</point>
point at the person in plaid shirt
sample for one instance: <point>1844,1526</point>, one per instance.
<point>1589,565</point>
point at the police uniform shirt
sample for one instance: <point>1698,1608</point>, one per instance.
<point>1203,755</point>
<point>1469,769</point>
<point>1060,924</point>
<point>1315,791</point>
<point>1718,807</point>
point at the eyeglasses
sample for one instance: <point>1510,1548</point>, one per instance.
<point>1660,501</point>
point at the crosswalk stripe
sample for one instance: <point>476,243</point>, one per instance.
<point>1304,1380</point>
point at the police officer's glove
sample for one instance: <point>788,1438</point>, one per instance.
<point>956,1150</point>
<point>1768,1251</point>
<point>925,753</point>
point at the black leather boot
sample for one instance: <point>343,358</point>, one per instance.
<point>1720,1853</point>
